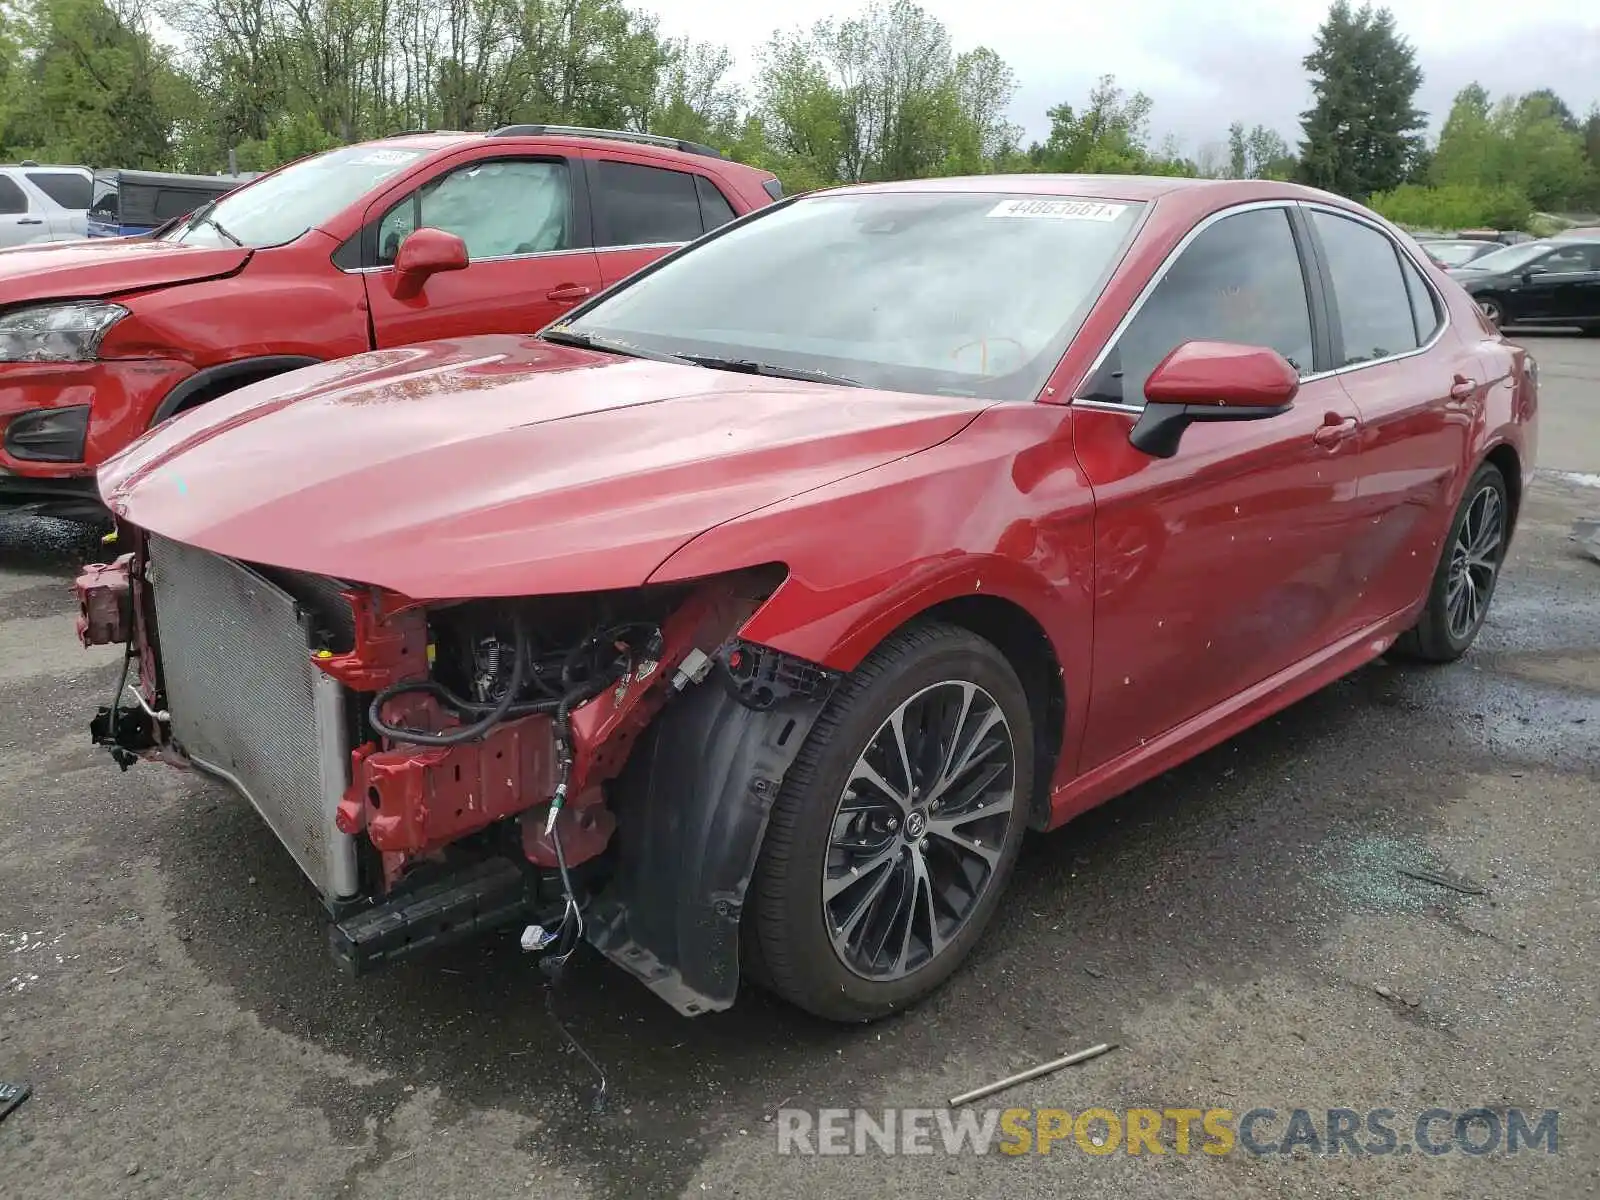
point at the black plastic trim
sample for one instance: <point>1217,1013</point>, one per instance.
<point>692,809</point>
<point>74,498</point>
<point>269,364</point>
<point>25,443</point>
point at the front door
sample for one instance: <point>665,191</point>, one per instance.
<point>528,260</point>
<point>1224,564</point>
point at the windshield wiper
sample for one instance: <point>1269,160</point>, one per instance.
<point>747,366</point>
<point>588,341</point>
<point>203,217</point>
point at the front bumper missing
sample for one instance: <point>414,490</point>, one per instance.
<point>415,846</point>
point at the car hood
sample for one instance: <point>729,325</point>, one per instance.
<point>94,267</point>
<point>501,465</point>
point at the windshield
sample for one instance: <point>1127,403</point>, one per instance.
<point>971,294</point>
<point>1511,258</point>
<point>280,207</point>
<point>1453,254</point>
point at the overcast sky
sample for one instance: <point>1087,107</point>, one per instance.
<point>1206,65</point>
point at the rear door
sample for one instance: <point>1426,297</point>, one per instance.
<point>1418,385</point>
<point>523,218</point>
<point>644,210</point>
<point>1575,275</point>
<point>20,217</point>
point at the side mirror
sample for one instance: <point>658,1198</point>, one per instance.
<point>425,253</point>
<point>1211,381</point>
<point>1536,269</point>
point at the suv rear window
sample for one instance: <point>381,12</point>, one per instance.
<point>644,206</point>
<point>70,189</point>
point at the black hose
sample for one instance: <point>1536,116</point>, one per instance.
<point>463,733</point>
<point>572,693</point>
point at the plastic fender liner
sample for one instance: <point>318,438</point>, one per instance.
<point>692,808</point>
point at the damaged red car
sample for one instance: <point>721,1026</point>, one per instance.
<point>744,621</point>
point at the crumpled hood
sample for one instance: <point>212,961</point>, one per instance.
<point>501,465</point>
<point>94,267</point>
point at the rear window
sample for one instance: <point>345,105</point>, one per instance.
<point>175,202</point>
<point>714,207</point>
<point>70,189</point>
<point>12,198</point>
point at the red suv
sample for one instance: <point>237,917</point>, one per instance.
<point>414,237</point>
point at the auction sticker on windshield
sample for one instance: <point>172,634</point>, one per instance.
<point>1059,210</point>
<point>387,157</point>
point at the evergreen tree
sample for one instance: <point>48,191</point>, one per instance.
<point>1364,132</point>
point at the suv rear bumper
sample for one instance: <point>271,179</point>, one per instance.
<point>74,496</point>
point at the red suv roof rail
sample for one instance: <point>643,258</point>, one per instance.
<point>619,135</point>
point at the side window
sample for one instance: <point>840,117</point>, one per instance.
<point>1240,280</point>
<point>714,207</point>
<point>1424,309</point>
<point>67,188</point>
<point>498,208</point>
<point>1375,313</point>
<point>1567,260</point>
<point>12,198</point>
<point>174,202</point>
<point>644,206</point>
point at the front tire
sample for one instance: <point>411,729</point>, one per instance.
<point>896,828</point>
<point>1464,581</point>
<point>1491,307</point>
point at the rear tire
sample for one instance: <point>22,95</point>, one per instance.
<point>1464,581</point>
<point>871,889</point>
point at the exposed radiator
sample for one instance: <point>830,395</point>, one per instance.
<point>248,705</point>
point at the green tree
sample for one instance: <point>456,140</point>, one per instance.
<point>1525,144</point>
<point>1363,133</point>
<point>89,85</point>
<point>881,96</point>
<point>1260,154</point>
<point>1110,135</point>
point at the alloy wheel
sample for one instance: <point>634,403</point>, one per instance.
<point>919,829</point>
<point>1474,561</point>
<point>1491,310</point>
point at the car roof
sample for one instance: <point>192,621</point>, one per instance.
<point>1132,188</point>
<point>435,140</point>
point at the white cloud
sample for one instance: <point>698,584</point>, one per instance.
<point>1207,65</point>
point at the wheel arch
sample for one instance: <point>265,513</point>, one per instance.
<point>212,382</point>
<point>1023,642</point>
<point>1504,457</point>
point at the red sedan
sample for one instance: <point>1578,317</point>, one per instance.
<point>744,621</point>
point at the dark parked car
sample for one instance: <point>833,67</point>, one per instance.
<point>1456,252</point>
<point>1541,283</point>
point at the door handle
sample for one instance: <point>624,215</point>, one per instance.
<point>568,291</point>
<point>31,221</point>
<point>1334,430</point>
<point>1463,388</point>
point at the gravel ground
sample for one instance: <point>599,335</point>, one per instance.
<point>164,983</point>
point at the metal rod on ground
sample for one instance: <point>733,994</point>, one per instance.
<point>990,1089</point>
